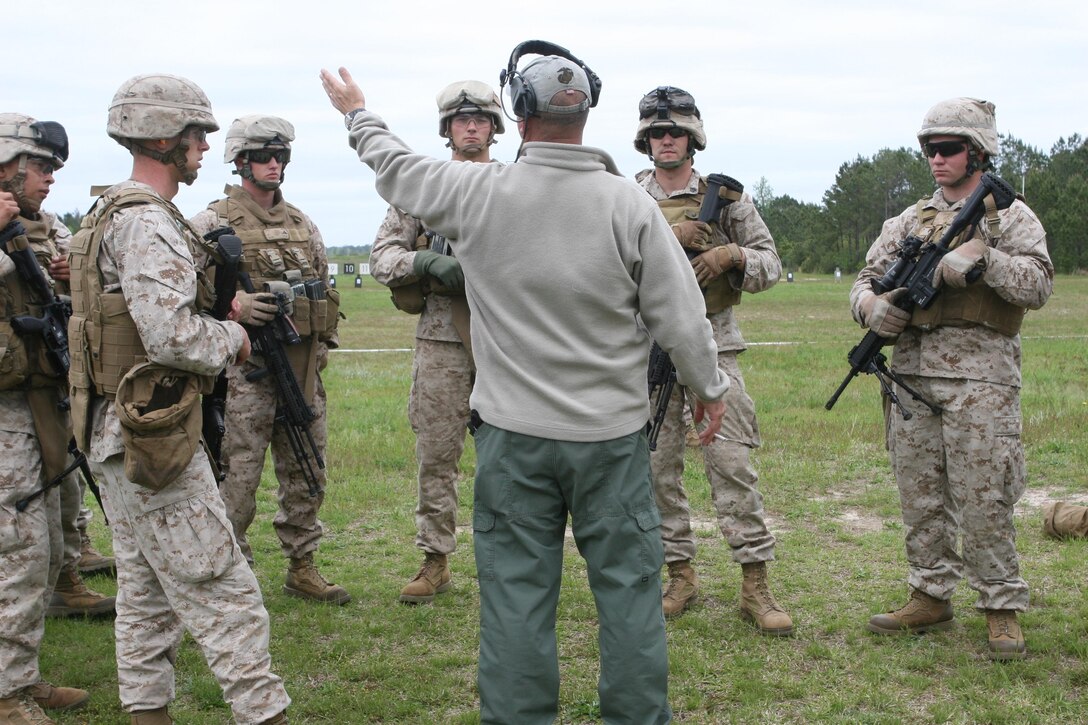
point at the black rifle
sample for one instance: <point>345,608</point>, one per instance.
<point>52,330</point>
<point>661,378</point>
<point>270,342</point>
<point>714,201</point>
<point>52,326</point>
<point>913,270</point>
<point>228,262</point>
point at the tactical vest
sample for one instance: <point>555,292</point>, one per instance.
<point>103,338</point>
<point>22,359</point>
<point>718,294</point>
<point>274,243</point>
<point>975,304</point>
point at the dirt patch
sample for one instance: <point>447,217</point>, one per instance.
<point>1037,498</point>
<point>858,523</point>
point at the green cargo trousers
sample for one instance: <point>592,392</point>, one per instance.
<point>525,487</point>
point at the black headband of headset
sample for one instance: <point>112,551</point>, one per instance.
<point>543,47</point>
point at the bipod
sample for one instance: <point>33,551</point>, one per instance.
<point>879,368</point>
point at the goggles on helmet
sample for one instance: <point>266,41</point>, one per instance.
<point>664,100</point>
<point>52,136</point>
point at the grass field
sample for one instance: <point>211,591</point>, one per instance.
<point>832,504</point>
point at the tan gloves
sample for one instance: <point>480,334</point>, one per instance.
<point>881,315</point>
<point>692,234</point>
<point>256,308</point>
<point>715,262</point>
<point>954,267</point>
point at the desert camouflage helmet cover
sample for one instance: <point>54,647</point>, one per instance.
<point>669,107</point>
<point>250,133</point>
<point>158,105</point>
<point>21,134</point>
<point>969,117</point>
<point>467,97</point>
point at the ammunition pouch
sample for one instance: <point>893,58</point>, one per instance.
<point>14,364</point>
<point>976,304</point>
<point>408,297</point>
<point>159,411</point>
<point>327,314</point>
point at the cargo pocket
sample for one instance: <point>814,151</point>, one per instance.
<point>1007,435</point>
<point>11,539</point>
<point>483,534</point>
<point>195,541</point>
<point>653,551</point>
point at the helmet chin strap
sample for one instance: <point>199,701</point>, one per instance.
<point>178,156</point>
<point>246,172</point>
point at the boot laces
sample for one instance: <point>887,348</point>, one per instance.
<point>672,591</point>
<point>763,591</point>
<point>431,565</point>
<point>1003,624</point>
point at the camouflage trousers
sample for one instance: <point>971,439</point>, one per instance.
<point>251,428</point>
<point>179,569</point>
<point>30,558</point>
<point>438,410</point>
<point>960,473</point>
<point>733,482</point>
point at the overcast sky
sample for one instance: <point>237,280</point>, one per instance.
<point>788,89</point>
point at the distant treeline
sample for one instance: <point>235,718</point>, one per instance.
<point>817,238</point>
<point>837,233</point>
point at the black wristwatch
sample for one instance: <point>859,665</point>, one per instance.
<point>350,116</point>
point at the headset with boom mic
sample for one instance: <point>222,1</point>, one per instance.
<point>522,95</point>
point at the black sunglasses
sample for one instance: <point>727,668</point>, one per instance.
<point>947,149</point>
<point>674,131</point>
<point>263,156</point>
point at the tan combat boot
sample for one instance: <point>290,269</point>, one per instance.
<point>759,606</point>
<point>57,698</point>
<point>682,590</point>
<point>20,709</point>
<point>158,716</point>
<point>1006,640</point>
<point>922,613</point>
<point>432,578</point>
<point>1065,521</point>
<point>90,560</point>
<point>71,597</point>
<point>305,582</point>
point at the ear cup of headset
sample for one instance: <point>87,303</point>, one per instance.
<point>522,97</point>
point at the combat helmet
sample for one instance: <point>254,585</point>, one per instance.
<point>258,132</point>
<point>669,107</point>
<point>159,106</point>
<point>468,97</point>
<point>22,136</point>
<point>972,118</point>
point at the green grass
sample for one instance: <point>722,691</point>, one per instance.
<point>832,504</point>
